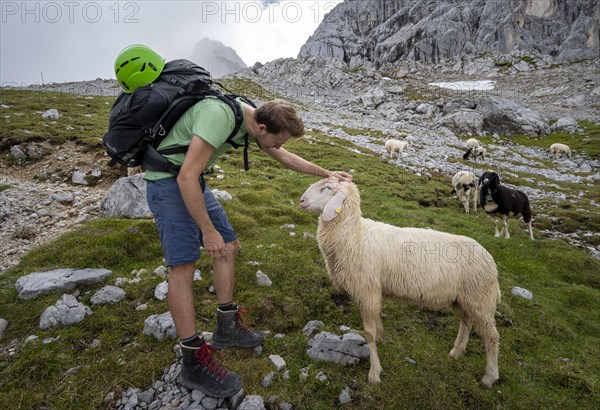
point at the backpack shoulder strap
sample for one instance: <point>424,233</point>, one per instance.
<point>230,99</point>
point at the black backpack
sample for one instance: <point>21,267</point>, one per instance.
<point>138,122</point>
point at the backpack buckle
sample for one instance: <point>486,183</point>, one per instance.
<point>161,131</point>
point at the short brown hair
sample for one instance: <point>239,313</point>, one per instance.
<point>278,116</point>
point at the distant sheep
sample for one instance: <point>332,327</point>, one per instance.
<point>369,259</point>
<point>560,149</point>
<point>475,152</point>
<point>473,143</point>
<point>464,184</point>
<point>497,199</point>
<point>392,146</point>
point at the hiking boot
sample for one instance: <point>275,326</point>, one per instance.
<point>201,372</point>
<point>231,332</point>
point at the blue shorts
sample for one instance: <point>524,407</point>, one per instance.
<point>179,234</point>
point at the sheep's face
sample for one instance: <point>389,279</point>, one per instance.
<point>489,181</point>
<point>325,196</point>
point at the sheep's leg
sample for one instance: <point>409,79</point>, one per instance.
<point>379,328</point>
<point>460,344</point>
<point>370,320</point>
<point>505,228</point>
<point>464,199</point>
<point>530,230</point>
<point>463,333</point>
<point>491,339</point>
<point>493,219</point>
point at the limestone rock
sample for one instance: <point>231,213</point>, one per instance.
<point>58,280</point>
<point>347,349</point>
<point>108,294</point>
<point>126,199</point>
<point>383,32</point>
<point>160,326</point>
<point>67,311</point>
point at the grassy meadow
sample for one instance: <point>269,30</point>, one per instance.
<point>550,345</point>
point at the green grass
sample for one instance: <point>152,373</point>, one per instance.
<point>549,357</point>
<point>82,118</point>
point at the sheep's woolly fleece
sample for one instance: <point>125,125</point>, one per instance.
<point>369,259</point>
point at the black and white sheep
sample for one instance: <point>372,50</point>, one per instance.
<point>436,270</point>
<point>392,146</point>
<point>497,199</point>
<point>560,149</point>
<point>475,152</point>
<point>465,185</point>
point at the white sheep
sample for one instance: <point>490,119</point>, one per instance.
<point>464,184</point>
<point>473,143</point>
<point>392,146</point>
<point>436,270</point>
<point>560,149</point>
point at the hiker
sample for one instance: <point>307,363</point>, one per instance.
<point>188,215</point>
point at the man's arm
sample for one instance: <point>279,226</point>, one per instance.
<point>196,159</point>
<point>299,164</point>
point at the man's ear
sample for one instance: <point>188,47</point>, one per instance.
<point>333,207</point>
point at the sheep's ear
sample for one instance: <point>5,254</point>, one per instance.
<point>333,207</point>
<point>497,182</point>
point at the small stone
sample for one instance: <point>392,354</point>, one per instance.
<point>262,279</point>
<point>277,362</point>
<point>304,373</point>
<point>345,396</point>
<point>267,380</point>
<point>311,327</point>
<point>524,293</point>
<point>320,376</point>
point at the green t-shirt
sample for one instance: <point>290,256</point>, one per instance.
<point>210,119</point>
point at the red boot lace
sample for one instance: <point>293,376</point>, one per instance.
<point>243,311</point>
<point>204,356</point>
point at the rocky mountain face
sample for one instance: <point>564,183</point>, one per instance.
<point>385,31</point>
<point>217,58</point>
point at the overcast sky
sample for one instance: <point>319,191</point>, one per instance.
<point>62,41</point>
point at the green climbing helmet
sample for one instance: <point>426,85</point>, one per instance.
<point>136,66</point>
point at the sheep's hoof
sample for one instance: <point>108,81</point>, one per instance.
<point>488,381</point>
<point>374,378</point>
<point>455,354</point>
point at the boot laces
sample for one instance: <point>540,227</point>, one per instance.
<point>205,357</point>
<point>242,311</point>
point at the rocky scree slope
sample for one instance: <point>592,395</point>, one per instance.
<point>383,32</point>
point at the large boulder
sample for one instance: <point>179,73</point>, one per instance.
<point>58,280</point>
<point>463,122</point>
<point>126,199</point>
<point>508,117</point>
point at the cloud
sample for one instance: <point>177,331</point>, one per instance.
<point>79,40</point>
